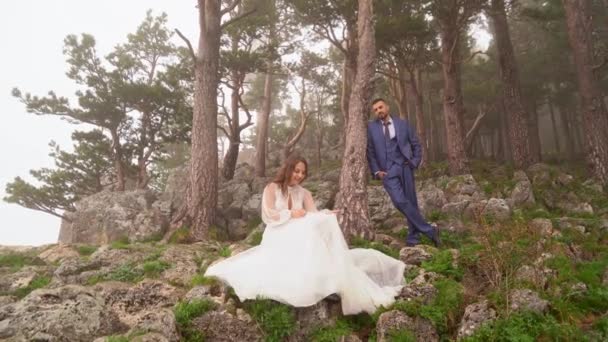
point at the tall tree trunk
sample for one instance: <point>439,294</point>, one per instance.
<point>416,84</point>
<point>453,107</point>
<point>319,134</point>
<point>202,192</point>
<point>554,125</point>
<point>118,160</point>
<point>567,125</point>
<point>352,197</point>
<point>398,90</point>
<point>534,134</point>
<point>348,76</point>
<point>432,130</point>
<point>504,123</point>
<point>516,114</point>
<point>262,123</point>
<point>595,115</point>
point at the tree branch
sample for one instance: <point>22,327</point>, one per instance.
<point>471,133</point>
<point>237,18</point>
<point>244,107</point>
<point>225,132</point>
<point>187,43</point>
<point>600,65</point>
<point>230,7</point>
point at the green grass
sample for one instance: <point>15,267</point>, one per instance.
<point>362,243</point>
<point>127,273</point>
<point>201,280</point>
<point>332,333</point>
<point>275,319</point>
<point>442,262</point>
<point>37,283</point>
<point>121,243</point>
<point>225,251</point>
<point>15,261</point>
<point>401,336</point>
<point>443,311</point>
<point>527,326</point>
<point>153,269</point>
<point>185,312</point>
<point>436,215</point>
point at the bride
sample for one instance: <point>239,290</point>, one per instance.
<point>303,256</point>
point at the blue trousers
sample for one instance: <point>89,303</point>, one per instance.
<point>399,184</point>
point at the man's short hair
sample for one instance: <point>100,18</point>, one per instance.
<point>378,99</point>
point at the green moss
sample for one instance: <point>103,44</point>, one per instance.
<point>181,235</point>
<point>256,238</point>
<point>86,250</point>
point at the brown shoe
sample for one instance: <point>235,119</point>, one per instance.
<point>436,239</point>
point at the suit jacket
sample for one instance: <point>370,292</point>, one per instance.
<point>406,139</point>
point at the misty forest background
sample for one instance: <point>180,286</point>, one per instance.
<point>266,78</point>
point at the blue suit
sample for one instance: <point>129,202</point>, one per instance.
<point>399,157</point>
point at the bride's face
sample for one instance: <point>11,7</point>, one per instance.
<point>298,174</point>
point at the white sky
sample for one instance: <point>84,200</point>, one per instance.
<point>31,37</point>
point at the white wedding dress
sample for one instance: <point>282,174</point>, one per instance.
<point>303,260</point>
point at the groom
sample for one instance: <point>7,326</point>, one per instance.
<point>393,152</point>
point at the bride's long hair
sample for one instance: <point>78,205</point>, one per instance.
<point>284,175</point>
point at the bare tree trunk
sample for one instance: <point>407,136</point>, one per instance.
<point>516,114</point>
<point>319,134</point>
<point>453,107</point>
<point>398,89</point>
<point>352,197</point>
<point>595,115</point>
<point>533,134</point>
<point>554,125</point>
<point>349,68</point>
<point>432,139</point>
<point>504,132</point>
<point>262,126</point>
<point>229,164</point>
<point>118,160</point>
<point>202,192</point>
<point>567,125</point>
<point>416,84</point>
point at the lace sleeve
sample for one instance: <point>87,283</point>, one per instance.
<point>270,214</point>
<point>309,203</point>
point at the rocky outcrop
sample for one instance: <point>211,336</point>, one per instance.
<point>69,313</point>
<point>109,216</point>
<point>394,321</point>
<point>475,315</point>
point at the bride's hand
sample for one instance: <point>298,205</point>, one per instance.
<point>297,213</point>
